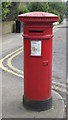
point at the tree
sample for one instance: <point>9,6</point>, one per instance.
<point>57,8</point>
<point>9,10</point>
<point>13,11</point>
<point>36,6</point>
<point>5,9</point>
<point>22,8</point>
<point>53,7</point>
<point>46,6</point>
<point>0,12</point>
<point>66,11</point>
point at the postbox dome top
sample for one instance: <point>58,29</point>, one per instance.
<point>38,16</point>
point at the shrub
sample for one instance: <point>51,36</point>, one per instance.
<point>38,6</point>
<point>22,9</point>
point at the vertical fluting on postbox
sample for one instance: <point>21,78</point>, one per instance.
<point>37,37</point>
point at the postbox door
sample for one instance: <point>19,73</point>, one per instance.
<point>36,67</point>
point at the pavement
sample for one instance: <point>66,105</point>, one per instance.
<point>18,111</point>
<point>13,82</point>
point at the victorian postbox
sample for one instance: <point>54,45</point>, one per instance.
<point>37,36</point>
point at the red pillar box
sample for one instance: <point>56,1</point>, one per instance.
<point>37,37</point>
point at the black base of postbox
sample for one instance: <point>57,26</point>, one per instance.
<point>37,105</point>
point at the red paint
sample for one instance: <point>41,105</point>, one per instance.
<point>38,69</point>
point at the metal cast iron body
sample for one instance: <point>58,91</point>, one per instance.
<point>37,36</point>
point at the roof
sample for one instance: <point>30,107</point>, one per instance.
<point>38,16</point>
